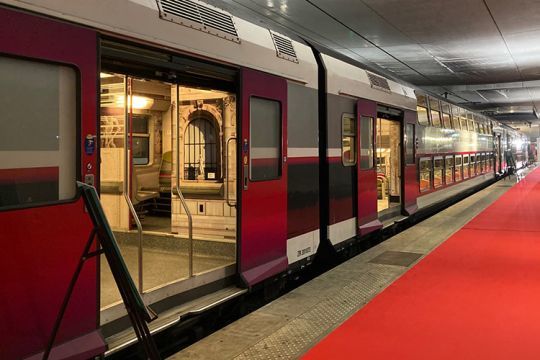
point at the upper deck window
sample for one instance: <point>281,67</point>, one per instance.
<point>422,111</point>
<point>38,140</point>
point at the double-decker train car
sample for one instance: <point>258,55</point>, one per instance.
<point>224,154</point>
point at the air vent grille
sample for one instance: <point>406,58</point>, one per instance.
<point>199,16</point>
<point>378,82</point>
<point>284,47</point>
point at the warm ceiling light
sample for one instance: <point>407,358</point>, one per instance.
<point>137,102</point>
<point>105,75</point>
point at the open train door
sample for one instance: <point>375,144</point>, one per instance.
<point>263,159</point>
<point>410,184</point>
<point>367,174</point>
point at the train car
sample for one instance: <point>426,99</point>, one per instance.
<point>199,132</point>
<point>224,154</point>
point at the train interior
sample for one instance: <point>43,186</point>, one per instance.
<point>180,158</point>
<point>388,155</point>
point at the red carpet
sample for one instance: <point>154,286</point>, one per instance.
<point>477,296</point>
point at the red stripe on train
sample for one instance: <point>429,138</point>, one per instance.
<point>29,175</point>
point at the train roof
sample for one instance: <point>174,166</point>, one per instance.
<point>192,27</point>
<point>350,80</point>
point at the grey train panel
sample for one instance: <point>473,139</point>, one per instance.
<point>341,179</point>
<point>337,106</point>
<point>303,172</point>
<point>302,118</point>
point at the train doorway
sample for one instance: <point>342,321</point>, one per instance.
<point>168,154</point>
<point>388,160</point>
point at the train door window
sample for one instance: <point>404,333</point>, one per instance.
<point>472,165</point>
<point>438,171</point>
<point>409,144</point>
<point>458,168</point>
<point>449,169</point>
<point>366,142</point>
<point>425,173</point>
<point>38,137</point>
<point>348,140</point>
<point>465,166</point>
<point>265,134</point>
<point>484,164</point>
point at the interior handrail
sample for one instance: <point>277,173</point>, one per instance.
<point>177,184</point>
<point>127,181</point>
<point>227,196</point>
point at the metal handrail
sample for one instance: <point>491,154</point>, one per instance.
<point>127,180</point>
<point>177,185</point>
<point>227,172</point>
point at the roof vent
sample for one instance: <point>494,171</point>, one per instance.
<point>199,16</point>
<point>284,47</point>
<point>378,82</point>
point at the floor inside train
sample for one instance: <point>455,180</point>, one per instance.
<point>290,326</point>
<point>165,259</point>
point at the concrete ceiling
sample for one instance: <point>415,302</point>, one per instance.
<point>483,54</point>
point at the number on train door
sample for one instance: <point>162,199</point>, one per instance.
<point>263,228</point>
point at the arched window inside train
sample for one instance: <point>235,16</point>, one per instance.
<point>201,148</point>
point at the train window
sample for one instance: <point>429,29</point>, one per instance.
<point>422,115</point>
<point>425,174</point>
<point>484,164</point>
<point>348,140</point>
<point>470,124</point>
<point>435,118</point>
<point>465,166</point>
<point>141,140</point>
<point>458,169</point>
<point>472,165</point>
<point>477,127</point>
<point>38,140</point>
<point>449,169</point>
<point>434,104</point>
<point>446,121</point>
<point>445,108</point>
<point>409,144</point>
<point>265,135</point>
<point>366,142</point>
<point>463,123</point>
<point>455,122</point>
<point>438,172</point>
<point>421,101</point>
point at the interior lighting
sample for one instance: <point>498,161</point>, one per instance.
<point>104,75</point>
<point>139,102</point>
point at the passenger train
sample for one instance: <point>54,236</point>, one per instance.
<point>200,131</point>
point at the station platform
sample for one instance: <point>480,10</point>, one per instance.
<point>462,284</point>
